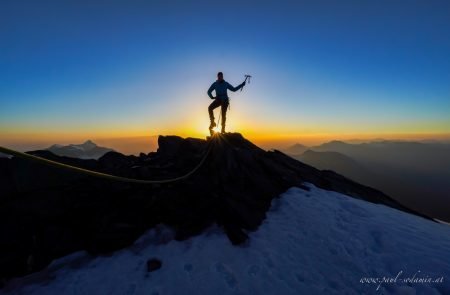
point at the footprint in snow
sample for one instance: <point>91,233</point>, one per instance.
<point>227,275</point>
<point>188,267</point>
<point>300,277</point>
<point>253,270</point>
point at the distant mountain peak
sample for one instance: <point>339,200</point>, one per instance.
<point>295,149</point>
<point>337,142</point>
<point>298,145</point>
<point>88,144</point>
<point>55,146</point>
<point>86,150</point>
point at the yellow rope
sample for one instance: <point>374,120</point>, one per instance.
<point>99,174</point>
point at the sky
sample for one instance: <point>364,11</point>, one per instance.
<point>322,70</point>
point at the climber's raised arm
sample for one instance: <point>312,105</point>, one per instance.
<point>234,89</point>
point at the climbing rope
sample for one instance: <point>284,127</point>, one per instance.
<point>100,174</point>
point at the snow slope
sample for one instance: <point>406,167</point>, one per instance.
<point>316,242</point>
<point>4,155</point>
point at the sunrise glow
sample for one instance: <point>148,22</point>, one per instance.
<point>69,73</point>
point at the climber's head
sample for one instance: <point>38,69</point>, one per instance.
<point>220,76</point>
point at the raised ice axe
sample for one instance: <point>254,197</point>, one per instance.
<point>246,77</point>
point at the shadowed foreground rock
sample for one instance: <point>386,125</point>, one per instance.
<point>47,213</point>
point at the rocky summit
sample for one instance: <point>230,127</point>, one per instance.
<point>47,212</point>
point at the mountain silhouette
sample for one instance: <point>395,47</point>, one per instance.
<point>296,149</point>
<point>47,212</point>
<point>86,150</point>
<point>415,173</point>
<point>337,162</point>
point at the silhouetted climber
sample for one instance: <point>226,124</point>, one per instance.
<point>221,99</point>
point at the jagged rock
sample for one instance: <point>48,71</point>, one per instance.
<point>169,145</point>
<point>233,188</point>
<point>113,160</point>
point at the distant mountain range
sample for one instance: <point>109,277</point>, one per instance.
<point>415,173</point>
<point>333,161</point>
<point>86,150</point>
<point>296,149</point>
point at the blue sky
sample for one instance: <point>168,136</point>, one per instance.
<point>143,67</point>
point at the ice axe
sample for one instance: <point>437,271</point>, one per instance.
<point>246,77</point>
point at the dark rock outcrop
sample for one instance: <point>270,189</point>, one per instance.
<point>153,264</point>
<point>47,212</point>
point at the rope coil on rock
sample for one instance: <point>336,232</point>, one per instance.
<point>100,174</point>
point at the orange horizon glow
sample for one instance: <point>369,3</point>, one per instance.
<point>131,137</point>
<point>126,139</point>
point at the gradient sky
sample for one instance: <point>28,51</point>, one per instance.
<point>72,70</point>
